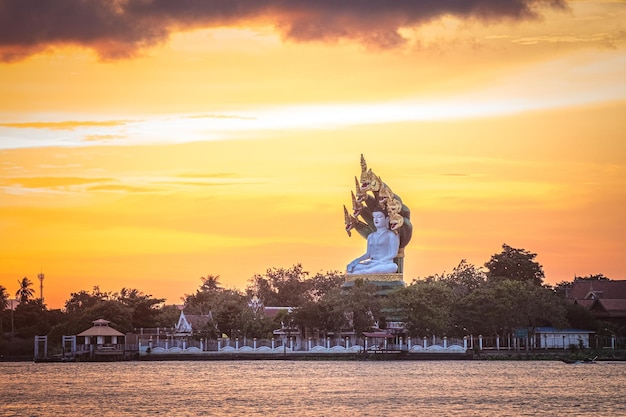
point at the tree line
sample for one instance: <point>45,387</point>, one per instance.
<point>507,293</point>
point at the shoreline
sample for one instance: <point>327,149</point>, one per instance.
<point>567,357</point>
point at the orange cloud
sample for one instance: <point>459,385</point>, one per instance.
<point>121,29</point>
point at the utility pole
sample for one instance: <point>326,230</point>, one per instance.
<point>41,277</point>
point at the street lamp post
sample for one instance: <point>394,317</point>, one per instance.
<point>471,337</point>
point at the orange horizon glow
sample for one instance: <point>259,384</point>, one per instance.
<point>229,150</point>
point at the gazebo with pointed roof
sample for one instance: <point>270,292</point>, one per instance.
<point>102,335</point>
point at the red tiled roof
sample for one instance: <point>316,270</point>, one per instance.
<point>613,307</point>
<point>603,289</point>
<point>604,298</point>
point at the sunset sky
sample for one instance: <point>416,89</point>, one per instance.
<point>147,143</point>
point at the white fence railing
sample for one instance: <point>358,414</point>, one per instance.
<point>283,345</point>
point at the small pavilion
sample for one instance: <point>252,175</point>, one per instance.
<point>101,339</point>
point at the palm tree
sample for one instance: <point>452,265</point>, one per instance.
<point>25,292</point>
<point>4,298</point>
<point>210,283</point>
<point>4,302</point>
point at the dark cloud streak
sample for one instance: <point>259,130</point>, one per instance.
<point>122,28</point>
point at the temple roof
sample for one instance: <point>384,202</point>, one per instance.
<point>594,289</point>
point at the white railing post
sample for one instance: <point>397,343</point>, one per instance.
<point>445,342</point>
<point>425,342</point>
<point>408,343</point>
<point>480,341</point>
<point>465,342</point>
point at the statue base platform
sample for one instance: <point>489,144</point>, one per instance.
<point>384,282</point>
<point>375,277</point>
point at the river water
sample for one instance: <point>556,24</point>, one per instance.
<point>313,388</point>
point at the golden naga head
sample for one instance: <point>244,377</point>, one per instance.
<point>361,195</point>
<point>384,195</point>
<point>369,181</point>
<point>349,220</point>
<point>356,205</point>
<point>363,164</point>
<point>395,221</point>
<point>394,206</point>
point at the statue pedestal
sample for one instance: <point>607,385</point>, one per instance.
<point>375,277</point>
<point>384,282</point>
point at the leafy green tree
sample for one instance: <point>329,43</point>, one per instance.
<point>24,292</point>
<point>81,300</point>
<point>328,314</point>
<point>80,318</point>
<point>501,306</point>
<point>228,308</point>
<point>281,287</point>
<point>424,307</point>
<point>167,316</point>
<point>256,324</point>
<point>560,288</point>
<point>362,306</point>
<point>323,283</point>
<point>83,308</point>
<point>464,278</point>
<point>580,317</point>
<point>229,312</point>
<point>516,265</point>
<point>592,277</point>
<point>32,318</point>
<point>206,298</point>
<point>144,308</point>
<point>308,315</point>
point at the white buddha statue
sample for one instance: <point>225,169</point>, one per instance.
<point>382,248</point>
